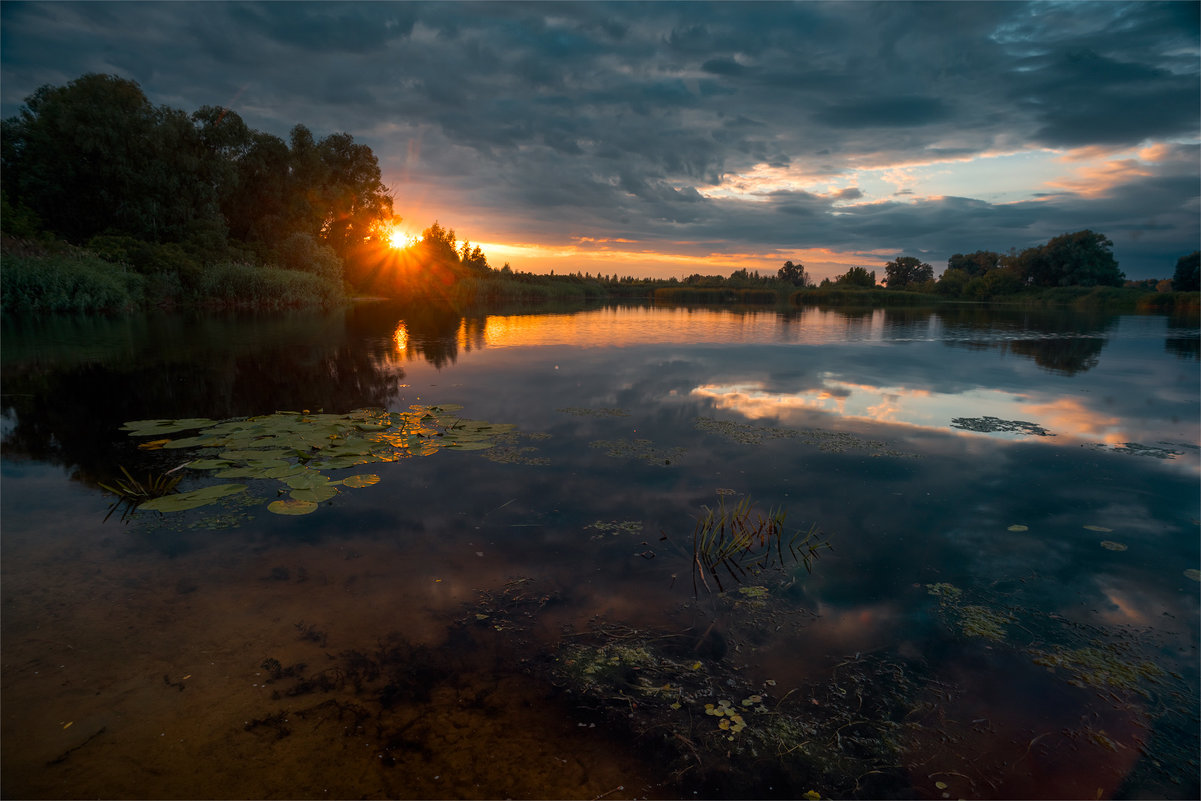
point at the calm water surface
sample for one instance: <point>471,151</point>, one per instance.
<point>1009,608</point>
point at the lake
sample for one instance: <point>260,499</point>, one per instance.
<point>583,554</point>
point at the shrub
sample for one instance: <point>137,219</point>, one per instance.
<point>68,280</point>
<point>303,253</point>
<point>241,285</point>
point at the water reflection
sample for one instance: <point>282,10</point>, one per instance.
<point>843,419</point>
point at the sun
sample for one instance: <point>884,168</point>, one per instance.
<point>401,239</point>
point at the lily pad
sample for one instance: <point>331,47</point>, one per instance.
<point>361,480</point>
<point>306,480</point>
<point>315,494</point>
<point>291,506</point>
<point>145,428</point>
<point>297,447</point>
<point>192,499</point>
<point>209,464</point>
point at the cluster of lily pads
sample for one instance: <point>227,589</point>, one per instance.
<point>298,448</point>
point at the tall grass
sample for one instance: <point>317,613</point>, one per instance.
<point>67,280</point>
<point>235,285</point>
<point>688,294</point>
<point>855,296</point>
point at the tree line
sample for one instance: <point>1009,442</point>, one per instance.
<point>166,206</point>
<point>1079,259</point>
<point>174,195</point>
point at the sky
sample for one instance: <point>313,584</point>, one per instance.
<point>665,139</point>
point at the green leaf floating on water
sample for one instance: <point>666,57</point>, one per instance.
<point>150,428</point>
<point>315,494</point>
<point>299,448</point>
<point>292,506</point>
<point>209,464</point>
<point>192,499</point>
<point>361,480</point>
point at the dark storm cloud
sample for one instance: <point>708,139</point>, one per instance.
<point>605,119</point>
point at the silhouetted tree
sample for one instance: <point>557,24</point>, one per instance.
<point>857,276</point>
<point>1187,277</point>
<point>793,274</point>
<point>974,264</point>
<point>905,272</point>
<point>1083,258</point>
<point>95,156</point>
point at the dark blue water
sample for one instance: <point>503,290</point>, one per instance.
<point>1009,607</point>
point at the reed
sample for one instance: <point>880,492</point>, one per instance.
<point>743,542</point>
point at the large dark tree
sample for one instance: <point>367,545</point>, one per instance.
<point>975,264</point>
<point>905,272</point>
<point>1083,258</point>
<point>857,276</point>
<point>96,156</point>
<point>793,274</point>
<point>1187,277</point>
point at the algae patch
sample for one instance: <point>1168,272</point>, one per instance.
<point>1101,666</point>
<point>995,425</point>
<point>826,441</point>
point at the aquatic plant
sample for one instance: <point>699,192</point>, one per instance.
<point>744,542</point>
<point>131,492</point>
<point>297,448</point>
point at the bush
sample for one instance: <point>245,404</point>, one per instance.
<point>241,285</point>
<point>303,253</point>
<point>68,280</point>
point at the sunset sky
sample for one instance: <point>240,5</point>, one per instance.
<point>674,138</point>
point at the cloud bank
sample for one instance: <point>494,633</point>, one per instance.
<point>695,137</point>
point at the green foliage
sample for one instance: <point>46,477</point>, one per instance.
<point>158,190</point>
<point>857,276</point>
<point>300,251</point>
<point>70,280</point>
<point>241,285</point>
<point>1187,277</point>
<point>842,295</point>
<point>744,542</point>
<point>19,221</point>
<point>974,265</point>
<point>714,295</point>
<point>793,274</point>
<point>907,272</point>
<point>297,449</point>
<point>1083,258</point>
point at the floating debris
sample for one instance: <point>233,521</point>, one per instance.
<point>1153,451</point>
<point>993,425</point>
<point>1101,529</point>
<point>1018,527</point>
<point>603,411</point>
<point>827,441</point>
<point>1110,545</point>
<point>613,528</point>
<point>1102,666</point>
<point>641,449</point>
<point>1164,450</point>
<point>973,620</point>
<point>1193,574</point>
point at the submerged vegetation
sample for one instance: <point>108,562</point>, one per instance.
<point>745,542</point>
